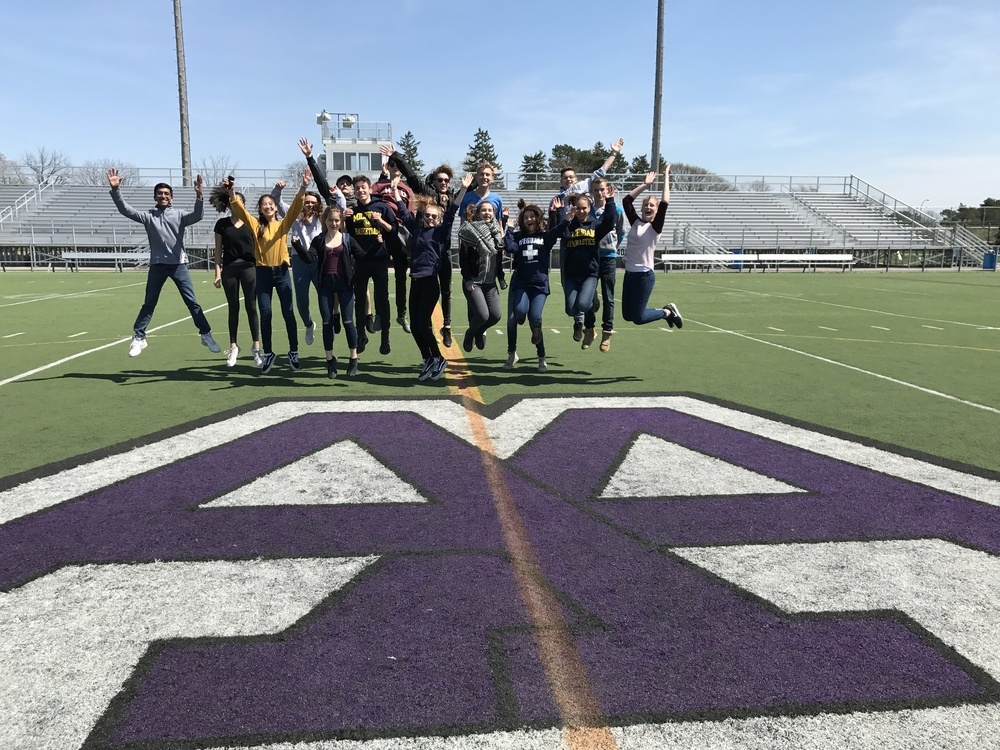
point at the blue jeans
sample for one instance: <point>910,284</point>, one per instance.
<point>303,275</point>
<point>609,265</point>
<point>344,291</point>
<point>275,279</point>
<point>635,296</point>
<point>157,277</point>
<point>580,299</point>
<point>524,303</point>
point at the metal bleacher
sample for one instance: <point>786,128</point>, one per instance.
<point>844,215</point>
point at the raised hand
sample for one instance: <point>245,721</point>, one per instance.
<point>650,178</point>
<point>387,150</point>
<point>467,180</point>
<point>556,204</point>
<point>616,147</point>
<point>306,178</point>
<point>306,147</point>
<point>114,179</point>
<point>199,186</point>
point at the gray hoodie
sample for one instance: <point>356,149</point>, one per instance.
<point>164,228</point>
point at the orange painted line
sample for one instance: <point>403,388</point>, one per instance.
<point>565,671</point>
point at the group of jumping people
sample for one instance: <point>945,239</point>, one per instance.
<point>403,221</point>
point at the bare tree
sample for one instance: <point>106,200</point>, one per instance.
<point>758,186</point>
<point>10,172</point>
<point>216,167</point>
<point>95,172</point>
<point>42,165</point>
<point>691,178</point>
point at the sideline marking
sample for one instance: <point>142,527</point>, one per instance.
<point>565,672</point>
<point>50,297</point>
<point>933,327</point>
<point>779,330</point>
<point>881,328</point>
<point>920,388</point>
<point>71,357</point>
<point>74,335</point>
<point>12,335</point>
<point>825,328</point>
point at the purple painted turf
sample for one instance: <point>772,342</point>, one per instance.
<point>672,639</point>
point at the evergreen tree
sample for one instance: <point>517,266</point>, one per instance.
<point>407,147</point>
<point>534,174</point>
<point>481,151</point>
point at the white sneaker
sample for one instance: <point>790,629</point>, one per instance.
<point>136,347</point>
<point>310,333</point>
<point>207,340</point>
<point>512,359</point>
<point>257,358</point>
<point>231,356</point>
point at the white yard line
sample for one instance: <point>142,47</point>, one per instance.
<point>50,297</point>
<point>71,357</point>
<point>779,330</point>
<point>825,328</point>
<point>903,383</point>
<point>834,304</point>
<point>881,328</point>
<point>935,328</point>
<point>74,335</point>
<point>12,335</point>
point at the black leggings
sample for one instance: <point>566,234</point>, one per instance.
<point>234,278</point>
<point>423,299</point>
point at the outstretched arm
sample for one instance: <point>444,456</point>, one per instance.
<point>115,182</point>
<point>321,182</point>
<point>616,148</point>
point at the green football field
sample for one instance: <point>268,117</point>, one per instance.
<point>906,359</point>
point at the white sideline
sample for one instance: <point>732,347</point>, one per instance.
<point>49,297</point>
<point>71,357</point>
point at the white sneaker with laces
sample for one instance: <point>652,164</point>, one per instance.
<point>207,340</point>
<point>136,347</point>
<point>257,358</point>
<point>231,356</point>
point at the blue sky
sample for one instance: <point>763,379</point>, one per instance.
<point>898,93</point>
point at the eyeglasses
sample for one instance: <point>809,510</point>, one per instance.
<point>432,216</point>
<point>442,179</point>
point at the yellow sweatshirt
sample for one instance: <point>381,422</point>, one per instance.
<point>271,249</point>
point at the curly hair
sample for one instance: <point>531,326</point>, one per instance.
<point>219,197</point>
<point>524,208</point>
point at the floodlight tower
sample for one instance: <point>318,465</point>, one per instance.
<point>182,94</point>
<point>654,158</point>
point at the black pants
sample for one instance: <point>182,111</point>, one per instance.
<point>424,293</point>
<point>400,264</point>
<point>444,278</point>
<point>378,272</point>
<point>234,278</point>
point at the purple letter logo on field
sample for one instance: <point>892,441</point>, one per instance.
<point>433,638</point>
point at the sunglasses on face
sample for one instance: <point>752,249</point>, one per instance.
<point>441,179</point>
<point>432,216</point>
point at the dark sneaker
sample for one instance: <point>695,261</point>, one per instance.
<point>438,368</point>
<point>674,319</point>
<point>293,360</point>
<point>377,324</point>
<point>369,324</point>
<point>362,344</point>
<point>403,324</point>
<point>425,371</point>
<point>446,337</point>
<point>481,341</point>
<point>384,349</point>
<point>542,367</point>
<point>331,368</point>
<point>467,341</point>
<point>352,367</point>
<point>536,335</point>
<point>267,362</point>
<point>207,340</point>
<point>597,304</point>
<point>577,331</point>
<point>336,323</point>
<point>512,359</point>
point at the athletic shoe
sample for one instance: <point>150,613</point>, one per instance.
<point>438,368</point>
<point>362,343</point>
<point>231,356</point>
<point>310,333</point>
<point>588,338</point>
<point>542,367</point>
<point>370,324</point>
<point>606,340</point>
<point>136,347</point>
<point>352,367</point>
<point>377,323</point>
<point>331,368</point>
<point>336,323</point>
<point>481,341</point>
<point>403,324</point>
<point>536,335</point>
<point>512,359</point>
<point>267,362</point>
<point>425,371</point>
<point>597,304</point>
<point>207,340</point>
<point>384,349</point>
<point>446,337</point>
<point>257,359</point>
<point>577,331</point>
<point>467,341</point>
<point>674,319</point>
<point>293,360</point>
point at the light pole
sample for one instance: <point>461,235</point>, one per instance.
<point>922,204</point>
<point>654,157</point>
<point>182,94</point>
